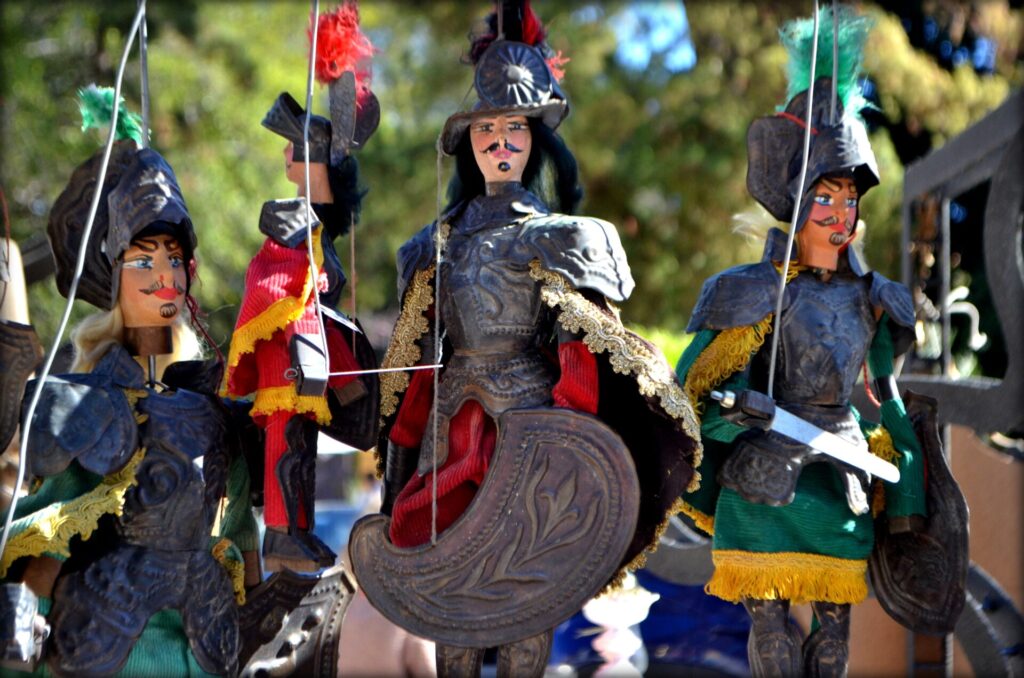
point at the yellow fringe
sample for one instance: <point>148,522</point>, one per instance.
<point>56,525</point>
<point>880,444</point>
<point>275,317</point>
<point>727,354</point>
<point>797,577</point>
<point>703,521</point>
<point>235,569</point>
<point>285,398</point>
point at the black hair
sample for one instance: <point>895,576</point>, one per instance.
<point>551,172</point>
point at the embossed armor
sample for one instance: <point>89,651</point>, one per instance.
<point>160,556</point>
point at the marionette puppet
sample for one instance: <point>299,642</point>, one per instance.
<point>289,341</point>
<point>795,486</point>
<point>115,547</point>
<point>545,454</point>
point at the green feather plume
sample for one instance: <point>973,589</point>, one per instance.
<point>97,107</point>
<point>797,37</point>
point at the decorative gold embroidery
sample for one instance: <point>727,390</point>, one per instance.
<point>54,526</point>
<point>628,354</point>
<point>403,350</point>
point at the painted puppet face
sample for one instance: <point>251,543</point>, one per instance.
<point>501,145</point>
<point>831,223</point>
<point>152,281</point>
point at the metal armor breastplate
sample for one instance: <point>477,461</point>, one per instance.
<point>826,332</point>
<point>493,316</point>
<point>489,304</point>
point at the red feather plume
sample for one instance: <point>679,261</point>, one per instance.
<point>534,34</point>
<point>341,46</point>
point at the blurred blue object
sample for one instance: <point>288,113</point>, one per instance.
<point>334,520</point>
<point>686,633</point>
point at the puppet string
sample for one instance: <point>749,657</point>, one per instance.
<point>76,278</point>
<point>835,61</point>
<point>796,210</point>
<point>314,274</point>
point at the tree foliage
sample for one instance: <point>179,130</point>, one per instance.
<point>662,154</point>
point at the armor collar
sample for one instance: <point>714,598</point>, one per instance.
<point>510,205</point>
<point>850,262</point>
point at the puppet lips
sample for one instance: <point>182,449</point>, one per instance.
<point>168,293</point>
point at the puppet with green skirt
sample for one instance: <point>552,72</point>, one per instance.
<point>791,522</point>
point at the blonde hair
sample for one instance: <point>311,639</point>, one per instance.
<point>97,333</point>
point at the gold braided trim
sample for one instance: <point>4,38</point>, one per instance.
<point>235,569</point>
<point>57,524</point>
<point>402,349</point>
<point>273,318</point>
<point>729,352</point>
<point>703,521</point>
<point>284,398</point>
<point>880,444</point>
<point>626,352</point>
<point>796,577</point>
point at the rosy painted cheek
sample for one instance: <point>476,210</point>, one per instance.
<point>819,212</point>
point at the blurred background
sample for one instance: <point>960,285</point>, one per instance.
<point>661,94</point>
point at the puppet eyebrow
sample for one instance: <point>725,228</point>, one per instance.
<point>146,244</point>
<point>830,185</point>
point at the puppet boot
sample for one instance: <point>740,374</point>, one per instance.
<point>527,658</point>
<point>826,650</point>
<point>297,549</point>
<point>458,662</point>
<point>773,648</point>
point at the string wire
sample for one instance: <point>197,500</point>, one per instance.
<point>796,212</point>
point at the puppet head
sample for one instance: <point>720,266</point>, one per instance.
<point>139,195</point>
<point>513,75</point>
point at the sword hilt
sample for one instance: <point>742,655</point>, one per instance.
<point>746,408</point>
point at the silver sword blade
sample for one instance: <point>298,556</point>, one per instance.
<point>828,443</point>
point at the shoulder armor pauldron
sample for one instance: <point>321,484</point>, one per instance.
<point>284,221</point>
<point>895,299</point>
<point>415,255</point>
<point>585,250</point>
<point>85,417</point>
<point>739,296</point>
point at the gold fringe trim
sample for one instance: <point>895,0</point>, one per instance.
<point>796,577</point>
<point>728,353</point>
<point>275,317</point>
<point>56,525</point>
<point>285,398</point>
<point>235,569</point>
<point>402,349</point>
<point>627,353</point>
<point>703,521</point>
<point>880,444</point>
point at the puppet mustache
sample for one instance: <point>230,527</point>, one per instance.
<point>159,285</point>
<point>509,147</point>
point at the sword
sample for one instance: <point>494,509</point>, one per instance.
<point>758,410</point>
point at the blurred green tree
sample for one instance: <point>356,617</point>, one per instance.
<point>662,152</point>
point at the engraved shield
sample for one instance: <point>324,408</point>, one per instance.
<point>920,578</point>
<point>548,528</point>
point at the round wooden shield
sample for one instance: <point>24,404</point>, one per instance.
<point>545,533</point>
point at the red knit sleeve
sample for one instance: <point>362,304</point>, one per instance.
<point>411,421</point>
<point>577,389</point>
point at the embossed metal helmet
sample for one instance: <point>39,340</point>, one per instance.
<point>511,78</point>
<point>839,142</point>
<point>140,194</point>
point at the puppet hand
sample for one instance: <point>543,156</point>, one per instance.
<point>746,408</point>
